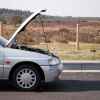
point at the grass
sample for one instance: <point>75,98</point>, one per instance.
<point>69,52</point>
<point>79,57</point>
<point>66,57</point>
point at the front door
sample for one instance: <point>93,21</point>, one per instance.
<point>1,62</point>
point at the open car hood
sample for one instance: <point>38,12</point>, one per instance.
<point>31,17</point>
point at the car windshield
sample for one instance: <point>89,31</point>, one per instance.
<point>3,41</point>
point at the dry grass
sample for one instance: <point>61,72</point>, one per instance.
<point>64,50</point>
<point>69,52</point>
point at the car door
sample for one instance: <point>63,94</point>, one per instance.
<point>1,61</point>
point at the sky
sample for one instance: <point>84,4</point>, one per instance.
<point>83,8</point>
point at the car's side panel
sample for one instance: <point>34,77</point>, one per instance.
<point>17,56</point>
<point>1,61</point>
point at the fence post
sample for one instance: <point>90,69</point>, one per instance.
<point>77,37</point>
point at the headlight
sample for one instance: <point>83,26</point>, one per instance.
<point>54,61</point>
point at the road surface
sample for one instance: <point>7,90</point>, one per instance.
<point>82,65</point>
<point>71,86</point>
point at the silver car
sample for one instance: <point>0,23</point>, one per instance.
<point>24,66</point>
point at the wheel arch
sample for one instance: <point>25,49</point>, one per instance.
<point>27,62</point>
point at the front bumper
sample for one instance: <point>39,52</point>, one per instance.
<point>52,72</point>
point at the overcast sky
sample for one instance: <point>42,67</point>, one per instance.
<point>57,7</point>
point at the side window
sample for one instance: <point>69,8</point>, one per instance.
<point>3,41</point>
<point>0,46</point>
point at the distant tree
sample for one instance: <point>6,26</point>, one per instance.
<point>2,20</point>
<point>65,30</point>
<point>14,20</point>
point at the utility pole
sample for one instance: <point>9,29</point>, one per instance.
<point>1,28</point>
<point>77,37</point>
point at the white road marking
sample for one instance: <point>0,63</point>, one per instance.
<point>80,62</point>
<point>83,71</point>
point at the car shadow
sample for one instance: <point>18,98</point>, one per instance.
<point>59,86</point>
<point>71,86</point>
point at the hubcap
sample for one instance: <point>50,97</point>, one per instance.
<point>26,78</point>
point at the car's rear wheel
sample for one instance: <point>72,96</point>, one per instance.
<point>26,77</point>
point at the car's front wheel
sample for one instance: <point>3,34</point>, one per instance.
<point>26,77</point>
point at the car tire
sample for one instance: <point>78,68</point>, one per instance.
<point>26,77</point>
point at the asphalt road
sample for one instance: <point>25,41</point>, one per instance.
<point>71,86</point>
<point>81,65</point>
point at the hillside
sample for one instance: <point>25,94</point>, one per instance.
<point>4,13</point>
